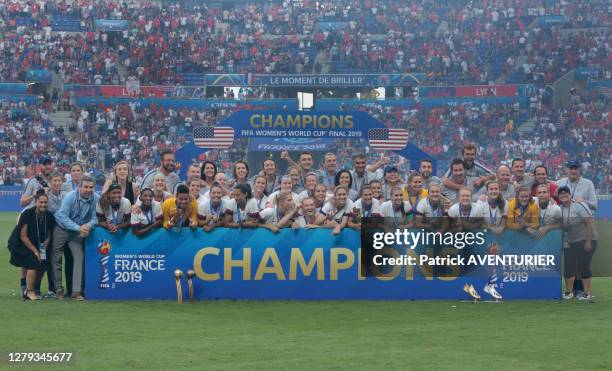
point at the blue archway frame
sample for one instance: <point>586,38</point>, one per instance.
<point>245,124</point>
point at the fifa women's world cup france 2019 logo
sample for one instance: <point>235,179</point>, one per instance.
<point>104,248</point>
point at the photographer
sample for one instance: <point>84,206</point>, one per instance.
<point>38,182</point>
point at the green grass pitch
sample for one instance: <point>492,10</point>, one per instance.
<point>311,335</point>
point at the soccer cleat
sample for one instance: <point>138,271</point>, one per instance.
<point>490,289</point>
<point>470,290</point>
<point>585,297</point>
<point>50,295</point>
<point>568,295</point>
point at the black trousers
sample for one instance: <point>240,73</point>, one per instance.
<point>576,257</point>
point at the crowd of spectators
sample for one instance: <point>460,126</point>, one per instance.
<point>104,135</point>
<point>552,53</point>
<point>579,131</point>
<point>450,42</point>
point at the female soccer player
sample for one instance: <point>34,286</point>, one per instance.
<point>495,208</point>
<point>243,208</point>
<point>213,212</point>
<point>414,192</point>
<point>240,173</point>
<point>337,210</point>
<point>150,217</point>
<point>194,186</point>
<point>549,213</point>
<point>365,207</point>
<point>376,186</point>
<point>160,193</point>
<point>310,183</point>
<point>308,216</point>
<point>430,211</point>
<point>181,210</point>
<point>522,211</point>
<point>465,215</point>
<point>259,191</point>
<point>113,210</point>
<point>286,185</point>
<point>282,215</point>
<point>397,209</point>
<point>320,196</point>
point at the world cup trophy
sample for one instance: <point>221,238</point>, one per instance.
<point>178,274</point>
<point>104,248</point>
<point>190,275</point>
<point>357,215</point>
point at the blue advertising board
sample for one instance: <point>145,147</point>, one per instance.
<point>349,125</point>
<point>336,80</point>
<point>256,264</point>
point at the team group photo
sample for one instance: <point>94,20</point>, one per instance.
<point>213,185</point>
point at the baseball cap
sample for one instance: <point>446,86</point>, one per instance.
<point>114,186</point>
<point>45,159</point>
<point>391,168</point>
<point>573,163</point>
<point>564,189</point>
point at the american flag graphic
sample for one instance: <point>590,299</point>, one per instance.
<point>388,139</point>
<point>213,137</point>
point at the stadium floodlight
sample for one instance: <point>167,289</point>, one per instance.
<point>305,101</point>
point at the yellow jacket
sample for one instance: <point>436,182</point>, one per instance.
<point>169,210</point>
<point>423,193</point>
<point>515,215</point>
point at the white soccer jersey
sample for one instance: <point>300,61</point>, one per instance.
<point>144,219</point>
<point>250,211</point>
<point>337,214</point>
<point>475,211</point>
<point>388,211</point>
<point>492,216</point>
<point>549,215</point>
<point>115,216</point>
<point>374,209</point>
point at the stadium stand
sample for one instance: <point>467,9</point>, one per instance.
<point>451,42</point>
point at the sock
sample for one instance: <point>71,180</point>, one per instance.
<point>23,283</point>
<point>492,277</point>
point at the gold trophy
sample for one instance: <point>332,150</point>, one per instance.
<point>178,274</point>
<point>357,215</point>
<point>190,275</point>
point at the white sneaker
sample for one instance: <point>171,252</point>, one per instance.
<point>585,297</point>
<point>470,290</point>
<point>490,289</point>
<point>568,295</point>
